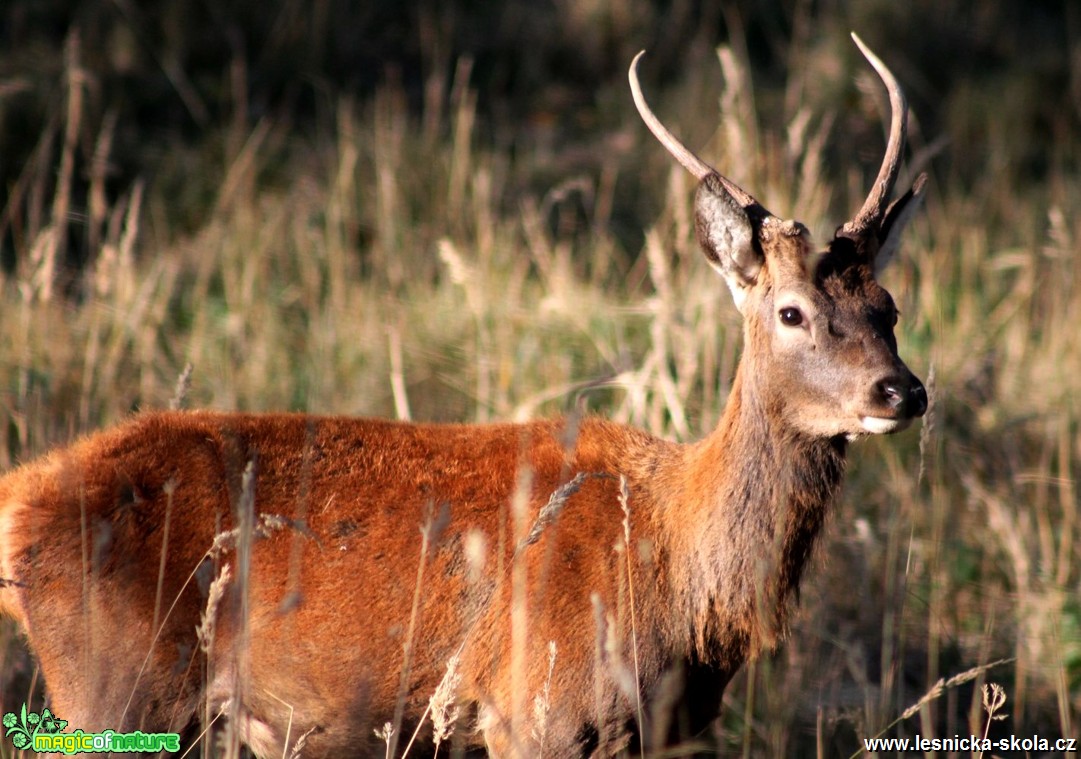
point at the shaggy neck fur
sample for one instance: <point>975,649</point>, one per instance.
<point>755,495</point>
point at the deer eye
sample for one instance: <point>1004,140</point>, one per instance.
<point>791,317</point>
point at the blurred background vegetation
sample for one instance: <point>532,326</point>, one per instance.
<point>450,211</point>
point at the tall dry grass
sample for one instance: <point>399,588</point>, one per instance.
<point>399,268</point>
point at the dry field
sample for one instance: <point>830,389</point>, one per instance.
<point>416,252</point>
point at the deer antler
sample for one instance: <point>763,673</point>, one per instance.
<point>870,216</point>
<point>690,161</point>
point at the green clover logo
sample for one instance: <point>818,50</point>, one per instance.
<point>18,728</point>
<point>50,723</point>
<point>22,728</point>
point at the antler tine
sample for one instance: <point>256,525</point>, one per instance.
<point>690,161</point>
<point>871,214</point>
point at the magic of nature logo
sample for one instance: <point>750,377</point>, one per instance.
<point>44,732</point>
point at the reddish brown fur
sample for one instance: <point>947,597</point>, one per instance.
<point>335,654</point>
<point>720,533</point>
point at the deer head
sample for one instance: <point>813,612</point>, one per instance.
<point>819,349</point>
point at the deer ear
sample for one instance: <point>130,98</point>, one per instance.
<point>896,219</point>
<point>727,237</point>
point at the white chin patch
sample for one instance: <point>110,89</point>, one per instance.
<point>878,425</point>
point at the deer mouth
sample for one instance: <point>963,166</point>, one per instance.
<point>884,425</point>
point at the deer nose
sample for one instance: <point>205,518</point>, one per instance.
<point>906,395</point>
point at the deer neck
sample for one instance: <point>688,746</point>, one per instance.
<point>755,494</point>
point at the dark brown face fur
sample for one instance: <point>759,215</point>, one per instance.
<point>824,343</point>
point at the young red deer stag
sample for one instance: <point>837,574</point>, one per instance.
<point>338,616</point>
